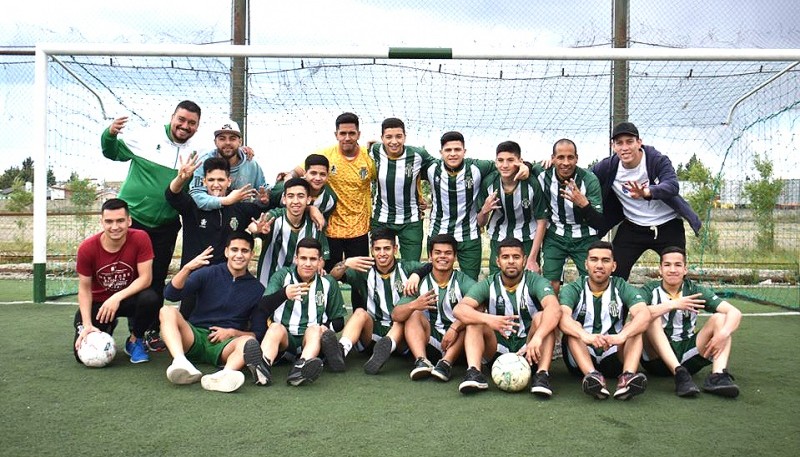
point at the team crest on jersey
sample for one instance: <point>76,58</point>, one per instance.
<point>234,224</point>
<point>526,203</point>
<point>469,182</point>
<point>613,309</point>
<point>500,305</point>
<point>409,172</point>
<point>203,223</point>
<point>319,296</point>
<point>453,298</point>
<point>362,173</point>
<point>398,286</point>
<point>334,169</point>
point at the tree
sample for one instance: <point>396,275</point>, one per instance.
<point>82,192</point>
<point>763,194</point>
<point>20,199</point>
<point>25,173</point>
<point>684,171</point>
<point>702,198</point>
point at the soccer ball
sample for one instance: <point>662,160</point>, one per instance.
<point>511,372</point>
<point>97,350</point>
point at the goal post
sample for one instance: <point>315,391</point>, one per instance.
<point>725,101</point>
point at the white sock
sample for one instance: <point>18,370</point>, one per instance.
<point>347,345</point>
<point>180,359</point>
<point>394,345</point>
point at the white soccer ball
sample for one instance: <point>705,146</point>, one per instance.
<point>97,350</point>
<point>511,372</point>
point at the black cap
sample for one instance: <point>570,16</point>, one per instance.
<point>625,128</point>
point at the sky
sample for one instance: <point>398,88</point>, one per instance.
<point>281,143</point>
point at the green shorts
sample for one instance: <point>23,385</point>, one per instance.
<point>203,350</point>
<point>606,362</point>
<point>511,343</point>
<point>493,268</point>
<point>469,257</point>
<point>409,236</point>
<point>687,354</point>
<point>379,330</point>
<point>556,249</point>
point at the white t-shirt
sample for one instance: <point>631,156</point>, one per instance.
<point>640,211</point>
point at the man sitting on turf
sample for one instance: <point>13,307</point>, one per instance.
<point>381,279</point>
<point>114,272</point>
<point>597,342</point>
<point>304,307</point>
<point>428,315</point>
<point>225,317</point>
<point>675,347</point>
<point>513,310</point>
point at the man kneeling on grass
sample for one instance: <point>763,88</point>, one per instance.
<point>225,317</point>
<point>673,346</point>
<point>305,307</point>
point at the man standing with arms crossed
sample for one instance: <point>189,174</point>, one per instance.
<point>154,162</point>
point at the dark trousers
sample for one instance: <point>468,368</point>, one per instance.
<point>343,248</point>
<point>631,241</point>
<point>142,308</point>
<point>163,239</point>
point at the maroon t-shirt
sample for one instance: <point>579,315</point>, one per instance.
<point>113,271</point>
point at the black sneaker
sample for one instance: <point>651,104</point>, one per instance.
<point>721,384</point>
<point>540,384</point>
<point>474,381</point>
<point>629,385</point>
<point>442,371</point>
<point>152,340</point>
<point>684,386</point>
<point>380,354</point>
<point>422,369</point>
<point>594,384</point>
<point>304,371</point>
<point>333,351</point>
<point>254,359</point>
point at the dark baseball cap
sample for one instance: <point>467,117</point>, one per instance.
<point>625,128</point>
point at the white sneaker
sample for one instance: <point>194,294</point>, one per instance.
<point>223,381</point>
<point>183,372</point>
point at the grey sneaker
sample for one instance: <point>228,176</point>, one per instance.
<point>333,351</point>
<point>380,354</point>
<point>594,384</point>
<point>258,366</point>
<point>422,369</point>
<point>304,371</point>
<point>721,384</point>
<point>684,386</point>
<point>629,385</point>
<point>442,371</point>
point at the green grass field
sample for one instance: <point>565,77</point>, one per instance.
<point>54,406</point>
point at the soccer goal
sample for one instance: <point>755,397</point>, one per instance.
<point>720,114</point>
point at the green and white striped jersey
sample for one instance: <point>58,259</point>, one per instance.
<point>680,325</point>
<point>447,298</point>
<point>565,220</point>
<point>454,197</point>
<point>525,300</point>
<point>279,245</point>
<point>382,292</point>
<point>519,209</point>
<point>325,201</point>
<point>322,304</point>
<point>603,315</point>
<point>396,197</point>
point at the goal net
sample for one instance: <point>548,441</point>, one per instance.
<point>710,115</point>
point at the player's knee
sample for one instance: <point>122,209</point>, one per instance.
<point>168,313</point>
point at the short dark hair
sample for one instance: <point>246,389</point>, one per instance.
<point>216,163</point>
<point>600,244</point>
<point>317,159</point>
<point>452,136</point>
<point>346,118</point>
<point>510,242</point>
<point>188,105</point>
<point>442,238</point>
<point>114,203</point>
<point>382,233</point>
<point>672,250</point>
<point>565,141</point>
<point>509,146</point>
<point>240,236</point>
<point>294,182</point>
<point>392,123</point>
<point>309,243</point>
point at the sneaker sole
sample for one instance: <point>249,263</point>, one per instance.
<point>595,388</point>
<point>636,386</point>
<point>541,391</point>
<point>226,384</point>
<point>334,359</point>
<point>727,391</point>
<point>308,374</point>
<point>418,374</point>
<point>688,393</point>
<point>439,375</point>
<point>470,387</point>
<point>143,360</point>
<point>252,358</point>
<point>381,353</point>
<point>183,376</point>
